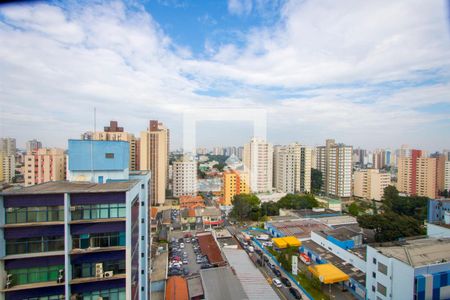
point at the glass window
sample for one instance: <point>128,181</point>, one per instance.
<point>381,289</point>
<point>382,268</point>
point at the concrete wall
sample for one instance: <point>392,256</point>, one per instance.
<point>437,231</point>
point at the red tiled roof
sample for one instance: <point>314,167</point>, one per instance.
<point>176,288</point>
<point>154,212</point>
<point>209,247</point>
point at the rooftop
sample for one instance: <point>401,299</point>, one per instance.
<point>176,288</point>
<point>345,267</point>
<point>418,252</point>
<point>343,233</point>
<point>255,285</point>
<point>300,228</point>
<point>222,284</point>
<point>209,247</point>
<point>312,213</point>
<point>57,187</point>
<point>195,286</point>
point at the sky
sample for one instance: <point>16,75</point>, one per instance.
<point>371,74</point>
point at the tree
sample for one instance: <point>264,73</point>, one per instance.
<point>391,226</point>
<point>413,206</point>
<point>245,207</point>
<point>316,181</point>
<point>295,201</point>
<point>354,209</point>
<point>270,209</point>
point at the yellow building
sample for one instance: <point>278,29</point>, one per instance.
<point>44,165</point>
<point>234,183</point>
<point>154,150</point>
<point>115,133</point>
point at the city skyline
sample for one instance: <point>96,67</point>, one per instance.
<point>317,74</point>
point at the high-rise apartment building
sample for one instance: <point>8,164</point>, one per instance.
<point>234,183</point>
<point>33,145</point>
<point>417,174</point>
<point>258,161</point>
<point>335,163</point>
<point>8,146</point>
<point>440,172</point>
<point>240,153</point>
<point>370,184</point>
<point>115,133</point>
<point>292,168</point>
<point>76,240</point>
<point>7,167</point>
<point>44,165</point>
<point>154,154</point>
<point>184,178</point>
<point>447,176</point>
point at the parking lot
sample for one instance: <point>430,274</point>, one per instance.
<point>193,265</point>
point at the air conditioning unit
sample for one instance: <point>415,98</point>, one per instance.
<point>60,276</point>
<point>73,208</point>
<point>108,274</point>
<point>99,270</point>
<point>8,281</point>
<point>10,209</point>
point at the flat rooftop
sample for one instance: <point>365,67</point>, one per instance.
<point>159,265</point>
<point>419,252</point>
<point>299,228</point>
<point>344,266</point>
<point>310,213</point>
<point>58,187</point>
<point>222,284</point>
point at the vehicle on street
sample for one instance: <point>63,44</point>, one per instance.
<point>277,272</point>
<point>251,249</point>
<point>276,282</point>
<point>296,294</point>
<point>286,281</point>
<point>305,259</point>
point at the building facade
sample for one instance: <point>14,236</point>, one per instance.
<point>8,146</point>
<point>7,167</point>
<point>292,168</point>
<point>154,156</point>
<point>115,133</point>
<point>43,165</point>
<point>370,184</point>
<point>258,161</point>
<point>234,183</point>
<point>73,240</point>
<point>447,176</point>
<point>417,175</point>
<point>335,163</point>
<point>33,145</point>
<point>184,178</point>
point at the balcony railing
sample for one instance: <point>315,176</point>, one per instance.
<point>34,245</point>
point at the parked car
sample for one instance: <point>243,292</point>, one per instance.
<point>206,266</point>
<point>185,262</point>
<point>181,245</point>
<point>276,282</point>
<point>286,281</point>
<point>277,272</point>
<point>296,294</point>
<point>266,259</point>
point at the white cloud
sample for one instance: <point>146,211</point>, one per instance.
<point>57,64</point>
<point>240,7</point>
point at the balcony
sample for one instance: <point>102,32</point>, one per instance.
<point>34,216</point>
<point>98,213</point>
<point>98,242</point>
<point>35,277</point>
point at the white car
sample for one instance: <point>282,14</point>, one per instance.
<point>276,282</point>
<point>182,245</point>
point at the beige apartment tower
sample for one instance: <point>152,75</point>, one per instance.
<point>370,184</point>
<point>292,168</point>
<point>335,163</point>
<point>258,161</point>
<point>7,167</point>
<point>154,150</point>
<point>115,133</point>
<point>184,178</point>
<point>44,165</point>
<point>417,175</point>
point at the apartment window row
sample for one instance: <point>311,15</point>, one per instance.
<point>36,274</point>
<point>86,270</point>
<point>98,240</point>
<point>34,245</point>
<point>53,297</point>
<point>34,214</point>
<point>111,294</point>
<point>99,211</point>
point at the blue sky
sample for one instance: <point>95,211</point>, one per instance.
<point>369,74</point>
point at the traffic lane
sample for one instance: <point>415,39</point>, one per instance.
<point>294,284</point>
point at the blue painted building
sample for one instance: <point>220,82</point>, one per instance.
<point>98,161</point>
<point>80,239</point>
<point>438,210</point>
